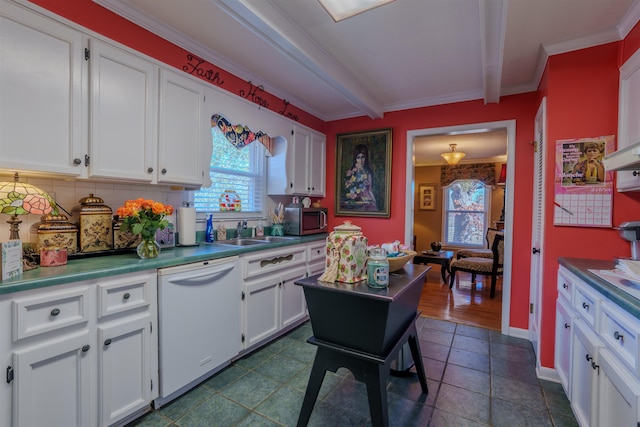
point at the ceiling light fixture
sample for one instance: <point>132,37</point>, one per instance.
<point>343,9</point>
<point>452,156</point>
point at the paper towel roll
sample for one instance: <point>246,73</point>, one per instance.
<point>187,226</point>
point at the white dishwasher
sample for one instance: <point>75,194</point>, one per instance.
<point>199,322</point>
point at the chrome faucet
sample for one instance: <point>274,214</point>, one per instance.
<point>242,225</point>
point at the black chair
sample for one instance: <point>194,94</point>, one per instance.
<point>485,266</point>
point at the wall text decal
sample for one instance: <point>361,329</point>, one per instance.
<point>286,113</point>
<point>253,95</point>
<point>194,67</point>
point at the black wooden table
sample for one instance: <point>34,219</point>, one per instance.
<point>443,259</point>
<point>363,329</point>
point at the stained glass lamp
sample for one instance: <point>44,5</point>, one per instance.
<point>20,198</point>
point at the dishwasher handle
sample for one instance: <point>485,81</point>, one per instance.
<point>208,275</point>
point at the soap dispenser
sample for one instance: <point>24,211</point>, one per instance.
<point>259,229</point>
<point>209,229</point>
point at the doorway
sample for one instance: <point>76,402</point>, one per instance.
<point>509,125</point>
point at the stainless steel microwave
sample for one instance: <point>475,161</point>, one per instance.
<point>301,221</point>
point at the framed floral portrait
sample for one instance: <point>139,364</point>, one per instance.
<point>427,197</point>
<point>363,173</point>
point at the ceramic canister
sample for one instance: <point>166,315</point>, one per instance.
<point>124,239</point>
<point>351,245</point>
<point>52,256</point>
<point>95,225</point>
<point>57,231</point>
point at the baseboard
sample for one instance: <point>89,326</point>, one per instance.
<point>518,333</point>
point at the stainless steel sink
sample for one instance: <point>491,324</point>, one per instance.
<point>242,242</point>
<point>277,239</point>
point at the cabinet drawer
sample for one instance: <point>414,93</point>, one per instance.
<point>585,302</point>
<point>123,294</point>
<point>620,333</point>
<point>271,261</point>
<point>317,252</point>
<point>566,282</point>
<point>47,312</point>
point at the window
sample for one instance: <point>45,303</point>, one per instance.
<point>240,170</point>
<point>466,212</point>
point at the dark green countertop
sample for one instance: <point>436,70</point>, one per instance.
<point>580,267</point>
<point>110,265</point>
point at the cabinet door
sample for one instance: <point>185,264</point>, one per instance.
<point>123,114</point>
<point>628,123</point>
<point>41,94</point>
<point>181,129</point>
<point>123,366</point>
<point>300,160</point>
<point>584,379</point>
<point>52,385</point>
<point>261,310</point>
<point>618,393</point>
<point>293,306</point>
<point>317,165</point>
<point>562,356</point>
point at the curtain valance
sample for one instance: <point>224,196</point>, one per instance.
<point>484,172</point>
<point>240,135</point>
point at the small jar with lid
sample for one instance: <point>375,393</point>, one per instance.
<point>57,231</point>
<point>95,224</point>
<point>378,268</point>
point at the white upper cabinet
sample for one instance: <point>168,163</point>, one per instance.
<point>298,164</point>
<point>123,114</point>
<point>182,129</point>
<point>40,94</point>
<point>629,118</point>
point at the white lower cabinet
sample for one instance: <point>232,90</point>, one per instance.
<point>603,368</point>
<point>316,256</point>
<point>52,383</point>
<point>82,354</point>
<point>272,302</point>
<point>123,365</point>
<point>618,393</point>
<point>584,373</point>
<point>562,357</point>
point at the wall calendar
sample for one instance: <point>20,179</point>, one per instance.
<point>583,188</point>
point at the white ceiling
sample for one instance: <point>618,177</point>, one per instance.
<point>407,54</point>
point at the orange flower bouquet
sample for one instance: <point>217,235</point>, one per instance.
<point>144,217</point>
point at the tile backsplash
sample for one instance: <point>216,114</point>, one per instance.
<point>67,194</point>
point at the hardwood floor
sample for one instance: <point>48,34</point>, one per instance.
<point>465,303</point>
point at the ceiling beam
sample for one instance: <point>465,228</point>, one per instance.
<point>273,27</point>
<point>493,27</point>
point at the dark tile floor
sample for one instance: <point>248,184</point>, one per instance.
<point>476,377</point>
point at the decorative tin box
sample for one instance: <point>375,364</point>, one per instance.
<point>57,231</point>
<point>95,224</point>
<point>349,243</point>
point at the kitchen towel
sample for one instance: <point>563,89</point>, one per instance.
<point>187,226</point>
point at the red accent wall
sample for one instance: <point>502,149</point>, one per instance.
<point>96,18</point>
<point>522,108</point>
<point>582,102</point>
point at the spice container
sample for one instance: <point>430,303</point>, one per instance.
<point>57,231</point>
<point>95,224</point>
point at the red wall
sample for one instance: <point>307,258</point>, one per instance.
<point>581,89</point>
<point>96,18</point>
<point>522,108</point>
<point>582,102</point>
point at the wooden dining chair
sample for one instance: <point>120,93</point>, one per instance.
<point>485,266</point>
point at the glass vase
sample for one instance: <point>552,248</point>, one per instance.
<point>148,248</point>
<point>277,230</point>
